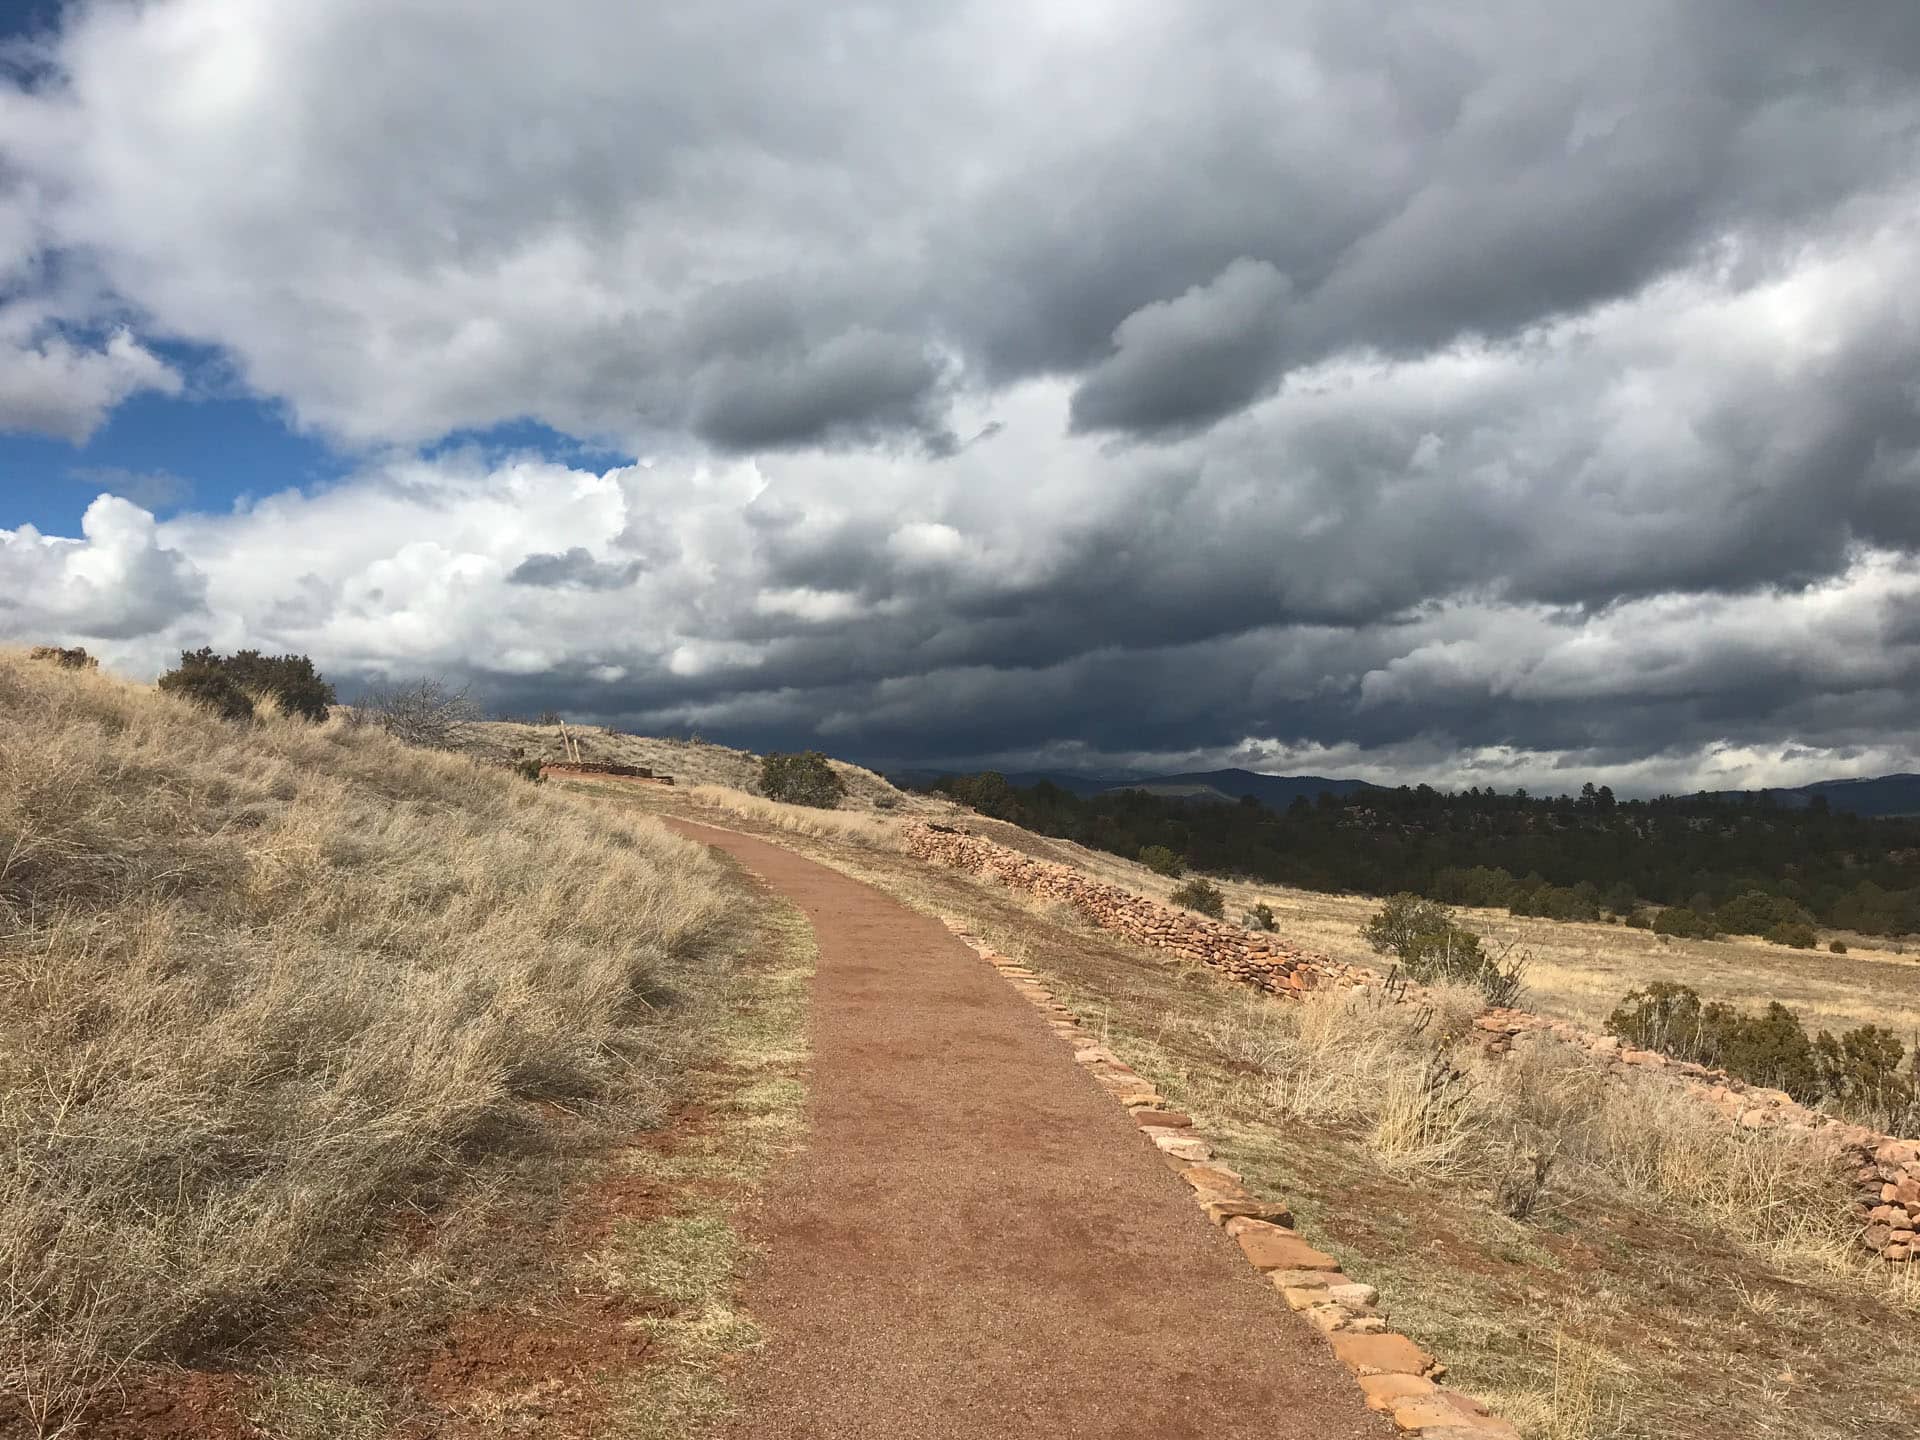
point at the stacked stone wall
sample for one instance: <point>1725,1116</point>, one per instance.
<point>1885,1169</point>
<point>1255,958</point>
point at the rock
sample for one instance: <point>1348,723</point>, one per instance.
<point>1172,1119</point>
<point>1897,1152</point>
<point>1383,1355</point>
<point>1181,1145</point>
<point>1271,1248</point>
<point>1213,1181</point>
<point>1383,1392</point>
<point>1269,1215</point>
<point>1354,1293</point>
<point>1305,1279</point>
<point>1447,1410</point>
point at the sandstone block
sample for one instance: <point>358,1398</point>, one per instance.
<point>1171,1119</point>
<point>1271,1248</point>
<point>1383,1392</point>
<point>1383,1355</point>
<point>1214,1181</point>
<point>1181,1145</point>
<point>1255,1214</point>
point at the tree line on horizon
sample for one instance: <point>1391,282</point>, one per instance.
<point>1709,864</point>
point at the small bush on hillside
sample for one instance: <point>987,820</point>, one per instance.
<point>1684,922</point>
<point>1861,1073</point>
<point>1399,919</point>
<point>1260,917</point>
<point>1639,920</point>
<point>1758,913</point>
<point>73,658</point>
<point>209,687</point>
<point>1557,902</point>
<point>1481,885</point>
<point>424,712</point>
<point>1423,937</point>
<point>1162,861</point>
<point>1791,933</point>
<point>223,683</point>
<point>802,779</point>
<point>1770,1048</point>
<point>529,770</point>
<point>1838,947</point>
<point>1203,895</point>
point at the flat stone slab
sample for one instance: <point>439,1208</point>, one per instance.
<point>1382,1354</point>
<point>1224,1212</point>
<point>1172,1119</point>
<point>1383,1392</point>
<point>1268,1247</point>
<point>1214,1181</point>
<point>1181,1145</point>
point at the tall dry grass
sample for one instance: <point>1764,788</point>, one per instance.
<point>857,826</point>
<point>260,985</point>
<point>1425,1100</point>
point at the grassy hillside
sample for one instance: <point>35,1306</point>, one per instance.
<point>263,986</point>
<point>690,762</point>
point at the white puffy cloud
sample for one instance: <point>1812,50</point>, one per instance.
<point>55,387</point>
<point>119,582</point>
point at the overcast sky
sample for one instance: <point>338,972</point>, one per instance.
<point>1504,391</point>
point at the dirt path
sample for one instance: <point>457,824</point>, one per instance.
<point>975,1242</point>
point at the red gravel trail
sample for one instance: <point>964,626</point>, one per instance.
<point>975,1242</point>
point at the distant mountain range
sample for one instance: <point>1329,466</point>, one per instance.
<point>1882,795</point>
<point>1277,791</point>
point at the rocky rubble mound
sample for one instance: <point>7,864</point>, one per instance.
<point>1255,959</point>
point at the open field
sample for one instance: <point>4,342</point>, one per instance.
<point>297,1028</point>
<point>1671,1278</point>
<point>1579,971</point>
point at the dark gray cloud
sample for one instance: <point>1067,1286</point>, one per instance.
<point>1183,362</point>
<point>576,568</point>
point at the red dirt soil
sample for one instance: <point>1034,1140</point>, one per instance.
<point>974,1242</point>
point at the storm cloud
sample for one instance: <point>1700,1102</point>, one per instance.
<point>1488,390</point>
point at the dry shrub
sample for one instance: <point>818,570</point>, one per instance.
<point>260,986</point>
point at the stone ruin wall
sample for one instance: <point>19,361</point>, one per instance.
<point>1885,1168</point>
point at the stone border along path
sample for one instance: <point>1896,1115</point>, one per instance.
<point>1394,1374</point>
<point>971,1243</point>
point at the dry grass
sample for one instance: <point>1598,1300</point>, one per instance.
<point>855,826</point>
<point>259,986</point>
<point>1427,1102</point>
